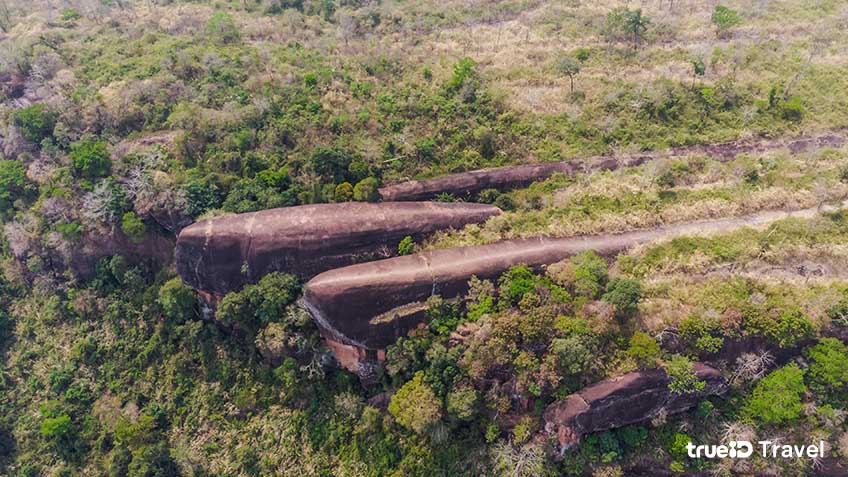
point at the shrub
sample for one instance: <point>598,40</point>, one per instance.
<point>366,190</point>
<point>517,282</point>
<point>221,28</point>
<point>406,246</point>
<point>703,333</point>
<point>462,402</point>
<point>343,192</point>
<point>133,227</point>
<point>683,376</point>
<point>777,397</point>
<point>90,158</point>
<point>415,405</point>
<point>590,274</point>
<point>644,349</point>
<point>625,294</point>
<point>724,18</point>
<point>35,122</point>
<point>828,370</point>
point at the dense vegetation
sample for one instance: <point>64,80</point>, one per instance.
<point>123,121</point>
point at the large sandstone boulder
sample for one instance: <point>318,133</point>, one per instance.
<point>225,253</point>
<point>365,307</point>
<point>465,184</point>
<point>629,399</point>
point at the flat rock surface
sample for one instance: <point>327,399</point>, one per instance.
<point>372,304</point>
<point>222,254</point>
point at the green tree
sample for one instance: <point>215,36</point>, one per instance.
<point>133,227</point>
<point>683,377</point>
<point>367,190</point>
<point>636,25</point>
<point>222,29</point>
<point>625,294</point>
<point>569,66</point>
<point>462,402</point>
<point>724,19</point>
<point>12,183</point>
<point>828,370</point>
<point>260,304</point>
<point>415,405</point>
<point>777,397</point>
<point>406,246</point>
<point>35,122</point>
<point>153,461</point>
<point>590,274</point>
<point>699,69</point>
<point>90,158</point>
<point>644,350</point>
<point>343,192</point>
<point>177,300</point>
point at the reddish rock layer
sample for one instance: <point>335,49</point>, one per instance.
<point>466,184</point>
<point>371,304</point>
<point>223,254</point>
<point>629,399</point>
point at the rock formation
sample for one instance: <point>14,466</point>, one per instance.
<point>363,308</point>
<point>466,184</point>
<point>629,399</point>
<point>225,253</point>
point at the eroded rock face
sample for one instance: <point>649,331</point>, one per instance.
<point>365,307</point>
<point>629,399</point>
<point>465,184</point>
<point>225,253</point>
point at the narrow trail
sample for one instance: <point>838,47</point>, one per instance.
<point>466,184</point>
<point>370,304</point>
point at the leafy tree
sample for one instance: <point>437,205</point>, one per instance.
<point>574,354</point>
<point>636,25</point>
<point>331,164</point>
<point>222,29</point>
<point>625,294</point>
<point>133,227</point>
<point>35,122</point>
<point>517,282</point>
<point>699,69</point>
<point>343,192</point>
<point>777,397</point>
<point>12,183</point>
<point>684,379</point>
<point>153,461</point>
<point>569,66</point>
<point>366,190</point>
<point>724,19</point>
<point>590,274</point>
<point>644,349</point>
<point>260,304</point>
<point>201,196</point>
<point>415,405</point>
<point>406,246</point>
<point>462,402</point>
<point>828,370</point>
<point>177,300</point>
<point>90,158</point>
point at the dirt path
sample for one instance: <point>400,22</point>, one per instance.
<point>467,184</point>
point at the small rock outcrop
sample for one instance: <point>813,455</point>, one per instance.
<point>466,184</point>
<point>629,399</point>
<point>223,254</point>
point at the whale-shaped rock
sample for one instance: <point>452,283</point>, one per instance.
<point>222,254</point>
